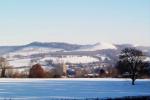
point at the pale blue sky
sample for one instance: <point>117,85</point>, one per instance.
<point>75,21</point>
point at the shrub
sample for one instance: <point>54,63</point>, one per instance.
<point>36,71</point>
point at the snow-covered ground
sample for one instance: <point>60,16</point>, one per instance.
<point>72,59</point>
<point>20,62</point>
<point>46,89</point>
<point>147,59</point>
<point>103,57</point>
<point>65,59</point>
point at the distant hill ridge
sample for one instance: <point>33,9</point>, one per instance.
<point>69,47</point>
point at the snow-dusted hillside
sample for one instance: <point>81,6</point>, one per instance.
<point>39,47</point>
<point>63,52</point>
<point>103,57</point>
<point>19,62</point>
<point>72,59</point>
<point>35,48</point>
<point>97,46</point>
<point>63,59</point>
<point>27,51</point>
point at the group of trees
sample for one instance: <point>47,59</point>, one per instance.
<point>131,64</point>
<point>34,71</point>
<point>37,71</point>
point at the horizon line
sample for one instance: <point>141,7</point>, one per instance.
<point>26,43</point>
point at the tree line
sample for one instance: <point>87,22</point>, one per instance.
<point>131,64</point>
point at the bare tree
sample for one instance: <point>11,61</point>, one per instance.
<point>3,66</point>
<point>131,61</point>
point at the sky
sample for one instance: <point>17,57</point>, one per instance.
<point>75,21</point>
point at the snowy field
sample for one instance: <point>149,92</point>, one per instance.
<point>66,59</point>
<point>47,89</point>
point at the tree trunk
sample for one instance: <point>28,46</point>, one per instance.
<point>133,79</point>
<point>3,73</point>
